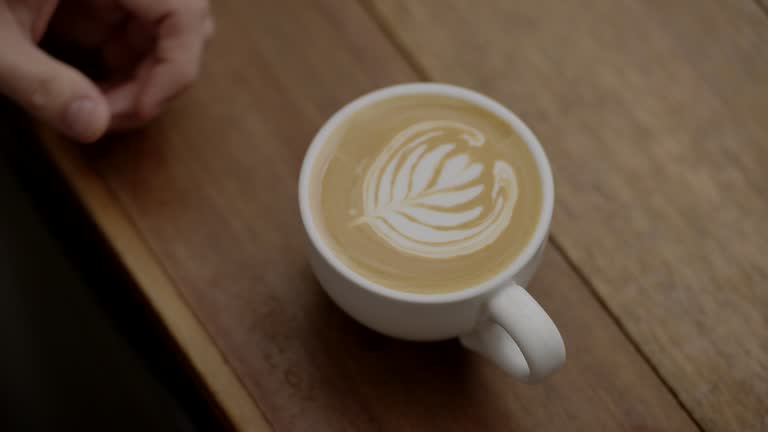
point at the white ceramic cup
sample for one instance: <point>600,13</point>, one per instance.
<point>497,318</point>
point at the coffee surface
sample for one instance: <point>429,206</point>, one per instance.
<point>426,193</point>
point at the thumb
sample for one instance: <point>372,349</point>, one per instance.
<point>54,92</point>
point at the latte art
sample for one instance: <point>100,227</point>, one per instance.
<point>424,193</point>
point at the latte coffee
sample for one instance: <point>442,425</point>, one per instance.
<point>425,193</point>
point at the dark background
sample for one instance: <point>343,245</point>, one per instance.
<point>79,348</point>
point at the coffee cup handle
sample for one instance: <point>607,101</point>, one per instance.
<point>518,336</point>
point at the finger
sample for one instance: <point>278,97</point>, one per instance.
<point>175,62</point>
<point>122,100</point>
<point>127,122</point>
<point>52,91</point>
<point>123,96</point>
<point>44,13</point>
<point>32,16</point>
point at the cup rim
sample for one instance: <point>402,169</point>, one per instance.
<point>525,256</point>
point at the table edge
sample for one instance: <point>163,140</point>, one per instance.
<point>156,286</point>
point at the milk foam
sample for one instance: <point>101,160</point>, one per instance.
<point>427,194</point>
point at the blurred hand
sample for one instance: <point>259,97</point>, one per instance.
<point>145,52</point>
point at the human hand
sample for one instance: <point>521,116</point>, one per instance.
<point>146,52</point>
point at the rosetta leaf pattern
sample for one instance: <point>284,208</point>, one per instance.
<point>424,194</point>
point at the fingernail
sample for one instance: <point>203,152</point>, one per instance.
<point>82,119</point>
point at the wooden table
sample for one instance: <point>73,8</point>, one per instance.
<point>655,117</point>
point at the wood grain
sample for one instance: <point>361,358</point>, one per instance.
<point>654,116</point>
<point>211,190</point>
<point>151,277</point>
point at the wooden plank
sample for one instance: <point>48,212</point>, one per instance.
<point>149,275</point>
<point>655,118</point>
<point>211,190</point>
